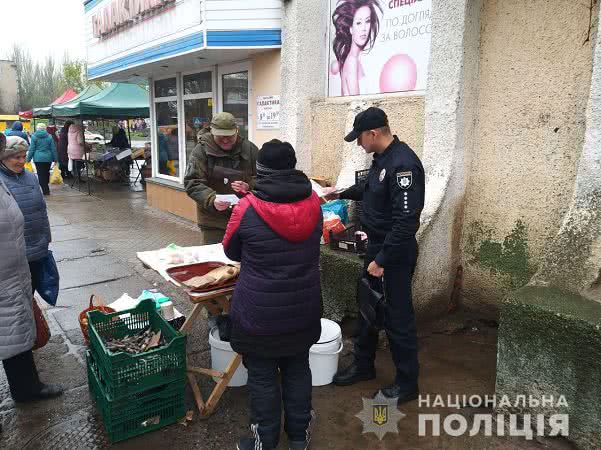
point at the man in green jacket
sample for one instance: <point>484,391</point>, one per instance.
<point>223,162</point>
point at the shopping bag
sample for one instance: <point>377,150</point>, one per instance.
<point>83,316</point>
<point>55,177</point>
<point>46,282</point>
<point>171,168</point>
<point>42,330</point>
<point>29,166</point>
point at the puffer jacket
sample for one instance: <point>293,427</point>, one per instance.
<point>275,233</point>
<point>76,143</point>
<point>17,130</point>
<point>17,325</point>
<point>26,190</point>
<point>42,148</point>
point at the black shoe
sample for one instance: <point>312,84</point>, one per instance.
<point>402,394</point>
<point>249,444</point>
<point>46,391</point>
<point>49,391</point>
<point>353,374</point>
<point>298,445</point>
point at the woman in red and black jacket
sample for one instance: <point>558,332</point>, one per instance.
<point>276,307</point>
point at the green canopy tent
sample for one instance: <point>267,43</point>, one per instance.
<point>46,112</point>
<point>88,92</point>
<point>118,101</point>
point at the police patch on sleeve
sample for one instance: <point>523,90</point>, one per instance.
<point>404,179</point>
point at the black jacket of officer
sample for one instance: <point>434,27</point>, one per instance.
<point>393,199</point>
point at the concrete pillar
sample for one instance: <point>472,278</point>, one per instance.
<point>572,261</point>
<point>303,71</point>
<point>450,111</point>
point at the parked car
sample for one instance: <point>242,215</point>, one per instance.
<point>93,136</point>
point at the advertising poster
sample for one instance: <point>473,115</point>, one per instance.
<point>378,46</point>
<point>268,112</point>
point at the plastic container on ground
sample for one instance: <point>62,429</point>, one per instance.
<point>137,413</point>
<point>221,355</point>
<point>323,356</point>
<point>124,374</point>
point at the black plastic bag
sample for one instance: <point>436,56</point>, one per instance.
<point>372,301</point>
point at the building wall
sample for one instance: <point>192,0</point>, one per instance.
<point>331,119</point>
<point>171,199</point>
<point>265,72</point>
<point>9,96</point>
<point>535,69</point>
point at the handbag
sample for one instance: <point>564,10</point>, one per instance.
<point>372,301</point>
<point>42,330</point>
<point>46,282</point>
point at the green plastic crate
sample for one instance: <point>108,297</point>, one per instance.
<point>124,374</point>
<point>138,413</point>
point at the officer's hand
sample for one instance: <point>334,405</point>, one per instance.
<point>240,187</point>
<point>375,270</point>
<point>329,193</point>
<point>221,206</point>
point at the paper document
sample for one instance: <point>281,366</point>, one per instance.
<point>230,198</point>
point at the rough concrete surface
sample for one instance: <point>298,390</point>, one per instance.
<point>550,344</point>
<point>530,128</point>
<point>457,356</point>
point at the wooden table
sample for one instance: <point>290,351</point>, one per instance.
<point>217,302</point>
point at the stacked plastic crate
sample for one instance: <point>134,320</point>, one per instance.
<point>136,393</point>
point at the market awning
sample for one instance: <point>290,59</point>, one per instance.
<point>46,111</point>
<point>118,101</point>
<point>26,114</point>
<point>89,91</point>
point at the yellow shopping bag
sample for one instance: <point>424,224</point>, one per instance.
<point>55,177</point>
<point>29,166</point>
<point>171,168</point>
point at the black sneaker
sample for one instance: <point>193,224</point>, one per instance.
<point>402,394</point>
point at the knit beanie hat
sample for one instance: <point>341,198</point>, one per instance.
<point>40,126</point>
<point>14,145</point>
<point>276,155</point>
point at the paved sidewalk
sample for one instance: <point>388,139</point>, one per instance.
<point>95,240</point>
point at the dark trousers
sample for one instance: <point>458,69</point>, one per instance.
<point>43,170</point>
<point>64,166</point>
<point>399,324</point>
<point>266,397</point>
<point>22,376</point>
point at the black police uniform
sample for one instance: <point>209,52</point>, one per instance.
<point>393,198</point>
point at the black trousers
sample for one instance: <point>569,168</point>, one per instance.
<point>266,397</point>
<point>43,170</point>
<point>22,376</point>
<point>399,325</point>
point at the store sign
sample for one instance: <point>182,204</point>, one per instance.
<point>378,46</point>
<point>268,112</point>
<point>120,14</point>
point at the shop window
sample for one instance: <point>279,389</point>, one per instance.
<point>235,98</point>
<point>165,88</point>
<point>198,106</point>
<point>198,83</point>
<point>167,138</point>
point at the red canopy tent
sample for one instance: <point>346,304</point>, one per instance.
<point>69,94</point>
<point>46,112</point>
<point>26,114</point>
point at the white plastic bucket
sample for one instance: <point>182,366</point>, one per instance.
<point>221,355</point>
<point>323,365</point>
<point>323,356</point>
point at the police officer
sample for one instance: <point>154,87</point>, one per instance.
<point>393,198</point>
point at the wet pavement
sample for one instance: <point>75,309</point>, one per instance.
<point>95,240</point>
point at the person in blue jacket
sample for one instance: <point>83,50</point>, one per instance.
<point>17,130</point>
<point>43,153</point>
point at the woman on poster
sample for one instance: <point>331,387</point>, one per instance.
<point>357,24</point>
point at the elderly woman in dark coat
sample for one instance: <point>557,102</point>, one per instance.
<point>276,307</point>
<point>17,324</point>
